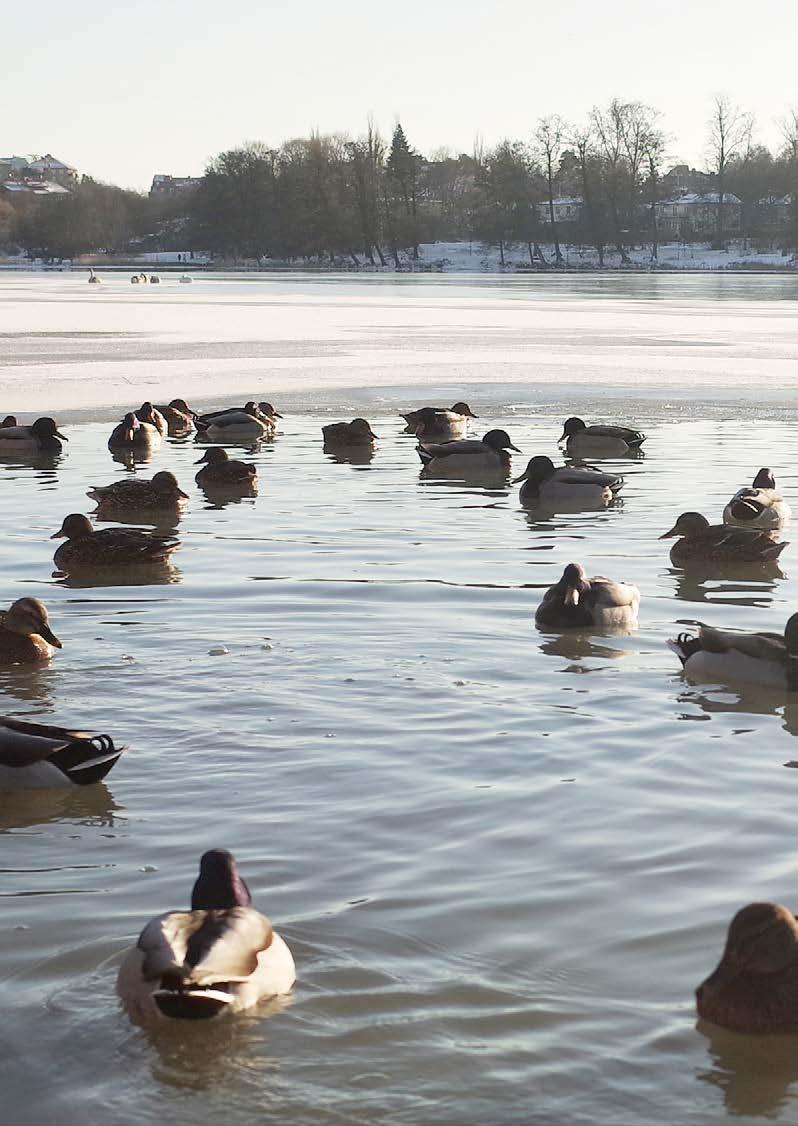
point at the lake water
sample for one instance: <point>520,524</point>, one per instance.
<point>503,859</point>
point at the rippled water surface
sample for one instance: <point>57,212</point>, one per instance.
<point>503,859</point>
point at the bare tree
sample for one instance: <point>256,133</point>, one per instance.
<point>608,126</point>
<point>729,132</point>
<point>549,137</point>
<point>653,150</point>
<point>642,138</point>
<point>591,173</point>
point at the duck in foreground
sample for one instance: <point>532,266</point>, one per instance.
<point>699,540</point>
<point>109,547</point>
<point>132,434</point>
<point>437,424</point>
<point>768,659</point>
<point>760,505</point>
<point>222,956</point>
<point>544,483</point>
<point>25,634</point>
<point>220,471</point>
<point>582,602</point>
<point>354,433</point>
<point>754,988</point>
<point>469,457</point>
<point>162,492</point>
<point>42,435</point>
<point>582,440</point>
<point>37,756</point>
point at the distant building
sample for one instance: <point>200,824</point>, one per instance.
<point>164,185</point>
<point>48,168</point>
<point>774,211</point>
<point>28,187</point>
<point>567,209</point>
<point>696,213</point>
<point>682,179</point>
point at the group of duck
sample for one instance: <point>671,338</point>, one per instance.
<point>222,955</point>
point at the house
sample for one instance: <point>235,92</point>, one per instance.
<point>681,179</point>
<point>48,168</point>
<point>27,187</point>
<point>774,211</point>
<point>567,209</point>
<point>696,213</point>
<point>164,185</point>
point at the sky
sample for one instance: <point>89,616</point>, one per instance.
<point>124,91</point>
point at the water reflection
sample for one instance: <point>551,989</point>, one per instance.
<point>44,462</point>
<point>350,455</point>
<point>727,584</point>
<point>34,682</point>
<point>145,574</point>
<point>540,512</point>
<point>745,700</point>
<point>164,522</point>
<point>753,1072</point>
<point>91,806</point>
<point>131,458</point>
<point>220,496</point>
<point>579,645</point>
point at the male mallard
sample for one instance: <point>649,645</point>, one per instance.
<point>221,471</point>
<point>701,540</point>
<point>545,483</point>
<point>754,988</point>
<point>25,633</point>
<point>222,956</point>
<point>150,414</point>
<point>131,434</point>
<point>179,417</point>
<point>582,602</point>
<point>162,492</point>
<point>469,457</point>
<point>769,659</point>
<point>582,440</point>
<point>42,435</point>
<point>759,506</point>
<point>110,547</point>
<point>354,433</point>
<point>236,424</point>
<point>437,424</point>
<point>36,756</point>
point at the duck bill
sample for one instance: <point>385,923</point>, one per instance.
<point>47,634</point>
<point>276,414</point>
<point>180,493</point>
<point>512,447</point>
<point>204,458</point>
<point>516,480</point>
<point>669,535</point>
<point>571,597</point>
<point>63,437</point>
<point>376,437</point>
<point>470,414</point>
<point>562,438</point>
<point>59,535</point>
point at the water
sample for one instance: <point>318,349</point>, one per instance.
<point>503,860</point>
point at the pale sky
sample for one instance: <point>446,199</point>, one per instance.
<point>122,91</point>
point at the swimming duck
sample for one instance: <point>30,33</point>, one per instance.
<point>185,279</point>
<point>222,956</point>
<point>42,435</point>
<point>246,424</point>
<point>37,756</point>
<point>437,424</point>
<point>769,659</point>
<point>582,440</point>
<point>221,471</point>
<point>583,602</point>
<point>754,987</point>
<point>93,279</point>
<point>109,547</point>
<point>154,279</point>
<point>545,483</point>
<point>179,417</point>
<point>759,506</point>
<point>135,279</point>
<point>701,540</point>
<point>354,433</point>
<point>150,414</point>
<point>468,456</point>
<point>131,434</point>
<point>162,491</point>
<point>25,633</point>
<point>9,420</point>
<point>267,411</point>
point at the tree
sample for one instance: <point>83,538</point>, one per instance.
<point>367,157</point>
<point>549,136</point>
<point>506,209</point>
<point>729,134</point>
<point>592,174</point>
<point>403,168</point>
<point>653,154</point>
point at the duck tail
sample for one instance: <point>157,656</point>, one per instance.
<point>86,761</point>
<point>424,454</point>
<point>191,1004</point>
<point>684,645</point>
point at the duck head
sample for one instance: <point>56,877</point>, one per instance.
<point>9,420</point>
<point>219,886</point>
<point>574,584</point>
<point>74,527</point>
<point>214,455</point>
<point>28,616</point>
<point>499,440</point>
<point>464,409</point>
<point>181,405</point>
<point>268,409</point>
<point>764,480</point>
<point>47,433</point>
<point>361,429</point>
<point>688,524</point>
<point>166,484</point>
<point>538,470</point>
<point>571,426</point>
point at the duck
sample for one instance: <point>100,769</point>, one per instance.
<point>760,505</point>
<point>700,540</point>
<point>355,433</point>
<point>109,547</point>
<point>185,279</point>
<point>220,470</point>
<point>468,456</point>
<point>268,411</point>
<point>543,482</point>
<point>131,434</point>
<point>41,436</point>
<point>36,756</point>
<point>154,279</point>
<point>149,414</point>
<point>25,634</point>
<point>439,424</point>
<point>220,957</point>
<point>93,279</point>
<point>179,417</point>
<point>9,420</point>
<point>135,279</point>
<point>754,988</point>
<point>162,491</point>
<point>582,440</point>
<point>767,659</point>
<point>246,423</point>
<point>582,602</point>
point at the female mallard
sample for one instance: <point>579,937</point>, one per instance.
<point>700,540</point>
<point>110,547</point>
<point>222,956</point>
<point>37,756</point>
<point>42,435</point>
<point>151,415</point>
<point>221,471</point>
<point>754,988</point>
<point>759,506</point>
<point>437,424</point>
<point>25,633</point>
<point>268,411</point>
<point>179,417</point>
<point>577,601</point>
<point>9,420</point>
<point>354,433</point>
<point>543,483</point>
<point>769,659</point>
<point>162,492</point>
<point>468,457</point>
<point>131,434</point>
<point>582,440</point>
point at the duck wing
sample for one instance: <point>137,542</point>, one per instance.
<point>81,757</point>
<point>608,592</point>
<point>761,646</point>
<point>625,433</point>
<point>588,475</point>
<point>204,947</point>
<point>458,446</point>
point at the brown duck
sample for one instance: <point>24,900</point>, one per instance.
<point>25,633</point>
<point>109,547</point>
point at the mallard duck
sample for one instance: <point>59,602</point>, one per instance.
<point>149,414</point>
<point>222,956</point>
<point>754,988</point>
<point>179,417</point>
<point>267,410</point>
<point>131,434</point>
<point>468,456</point>
<point>701,540</point>
<point>221,471</point>
<point>769,659</point>
<point>9,420</point>
<point>545,483</point>
<point>25,634</point>
<point>42,435</point>
<point>577,600</point>
<point>354,433</point>
<point>162,491</point>
<point>759,506</point>
<point>109,547</point>
<point>37,756</point>
<point>437,424</point>
<point>154,279</point>
<point>582,440</point>
<point>245,424</point>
